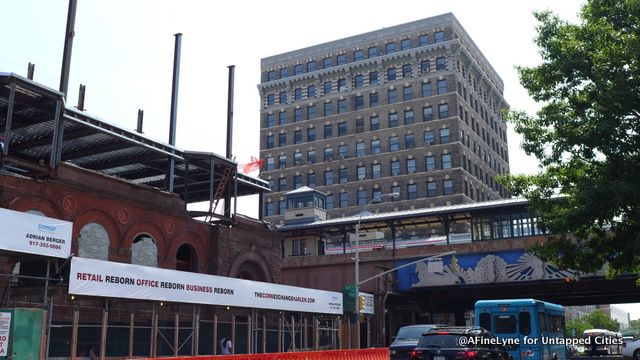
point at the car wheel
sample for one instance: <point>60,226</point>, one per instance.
<point>636,354</point>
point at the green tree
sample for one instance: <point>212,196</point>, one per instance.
<point>579,325</point>
<point>586,137</point>
<point>595,320</point>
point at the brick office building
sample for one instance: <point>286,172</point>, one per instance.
<point>413,109</point>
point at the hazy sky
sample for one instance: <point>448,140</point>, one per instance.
<point>123,53</point>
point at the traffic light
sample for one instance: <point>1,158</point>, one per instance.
<point>361,302</point>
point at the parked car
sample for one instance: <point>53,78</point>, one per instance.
<point>406,340</point>
<point>459,343</point>
<point>631,349</point>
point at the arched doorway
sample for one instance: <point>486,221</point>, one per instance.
<point>186,259</point>
<point>249,270</point>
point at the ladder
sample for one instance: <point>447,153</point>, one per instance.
<point>222,186</point>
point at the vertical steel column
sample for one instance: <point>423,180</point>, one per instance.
<point>280,337</point>
<point>140,120</point>
<point>215,334</point>
<point>74,334</point>
<point>264,333</point>
<point>132,325</point>
<point>249,335</point>
<point>31,68</point>
<point>293,333</point>
<point>227,198</point>
<point>103,334</point>
<point>176,334</point>
<point>8,124</point>
<point>68,46</point>
<point>196,330</point>
<point>233,334</point>
<point>174,108</point>
<point>58,130</point>
<point>81,94</point>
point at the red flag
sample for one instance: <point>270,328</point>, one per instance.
<point>253,165</point>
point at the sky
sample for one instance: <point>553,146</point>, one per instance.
<point>123,53</point>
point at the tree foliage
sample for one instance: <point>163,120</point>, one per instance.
<point>595,320</point>
<point>586,137</point>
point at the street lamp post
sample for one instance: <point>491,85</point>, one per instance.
<point>357,261</point>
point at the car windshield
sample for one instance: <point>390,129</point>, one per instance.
<point>410,333</point>
<point>440,340</point>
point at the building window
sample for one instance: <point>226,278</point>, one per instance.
<point>373,100</point>
<point>282,205</point>
<point>328,177</point>
<point>282,117</point>
<point>311,91</point>
<point>297,94</point>
<point>311,180</point>
<point>359,126</point>
<point>328,131</point>
<point>270,141</point>
<point>447,186</point>
<point>359,102</point>
<point>271,99</point>
<point>446,161</point>
<point>282,139</point>
<point>297,137</point>
<point>412,191</point>
<point>343,151</point>
<point>311,134</point>
<point>360,149</point>
<point>439,37</point>
<point>395,167</point>
<point>344,200</point>
<point>327,63</point>
<point>375,146</point>
<point>268,209</point>
<point>406,70</point>
<point>342,128</point>
<point>282,184</point>
<point>425,66</point>
<point>391,74</point>
<point>328,154</point>
<point>430,163</point>
<point>373,78</point>
<point>442,86</point>
<point>271,120</point>
<point>396,190</point>
<point>343,176</point>
<point>311,66</point>
<point>282,162</point>
<point>394,143</point>
<point>405,44</point>
<point>374,123</point>
<point>270,163</point>
<point>426,89</point>
<point>440,63</point>
<point>444,136</point>
<point>411,166</point>
<point>342,59</point>
<point>409,141</point>
<point>372,52</point>
<point>328,109</point>
<point>326,87</point>
<point>391,48</point>
<point>311,112</point>
<point>297,181</point>
<point>427,113</point>
<point>297,69</point>
<point>361,172</point>
<point>284,72</point>
<point>271,75</point>
<point>408,117</point>
<point>393,119</point>
<point>432,189</point>
<point>311,157</point>
<point>376,171</point>
<point>407,93</point>
<point>342,84</point>
<point>443,111</point>
<point>282,97</point>
<point>329,201</point>
<point>429,138</point>
<point>392,96</point>
<point>357,55</point>
<point>377,195</point>
<point>342,106</point>
<point>358,81</point>
<point>424,40</point>
<point>362,197</point>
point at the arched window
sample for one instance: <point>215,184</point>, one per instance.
<point>186,259</point>
<point>144,251</point>
<point>93,242</point>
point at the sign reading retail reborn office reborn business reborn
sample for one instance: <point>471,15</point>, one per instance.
<point>111,279</point>
<point>35,234</point>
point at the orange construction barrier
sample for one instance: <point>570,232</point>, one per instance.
<point>358,354</point>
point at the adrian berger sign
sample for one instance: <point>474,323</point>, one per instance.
<point>112,279</point>
<point>35,234</point>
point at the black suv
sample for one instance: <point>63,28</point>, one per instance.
<point>459,343</point>
<point>406,340</point>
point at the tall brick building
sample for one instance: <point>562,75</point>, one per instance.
<point>413,109</point>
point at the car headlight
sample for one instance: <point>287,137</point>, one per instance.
<point>393,352</point>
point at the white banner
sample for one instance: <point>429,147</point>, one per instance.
<point>112,279</point>
<point>35,234</point>
<point>5,326</point>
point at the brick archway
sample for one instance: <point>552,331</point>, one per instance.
<point>192,239</point>
<point>99,217</point>
<point>251,261</point>
<point>24,203</point>
<point>145,228</point>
